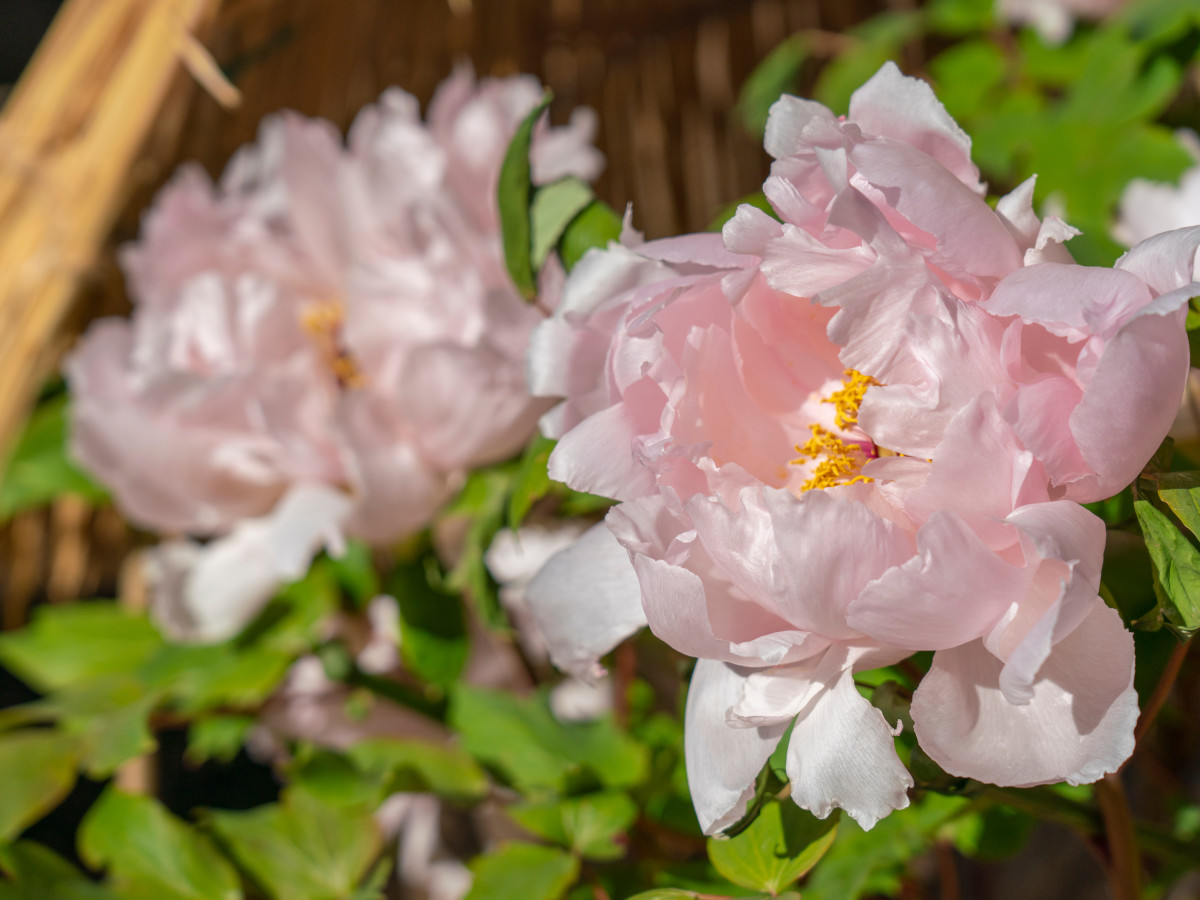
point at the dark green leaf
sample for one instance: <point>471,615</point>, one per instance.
<point>1181,492</point>
<point>39,770</point>
<point>40,874</point>
<point>594,227</point>
<point>514,189</point>
<point>41,468</point>
<point>996,833</point>
<point>153,854</point>
<point>433,628</point>
<point>355,572</point>
<point>79,641</point>
<point>483,501</point>
<point>532,482</point>
<point>776,849</point>
<point>587,824</point>
<point>551,211</point>
<point>518,871</point>
<point>1176,567</point>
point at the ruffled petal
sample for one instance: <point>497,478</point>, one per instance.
<point>1077,726</point>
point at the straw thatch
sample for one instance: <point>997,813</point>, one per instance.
<point>107,110</point>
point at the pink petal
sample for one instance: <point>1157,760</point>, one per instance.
<point>1077,726</point>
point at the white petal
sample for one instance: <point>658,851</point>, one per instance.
<point>586,600</point>
<point>722,761</point>
<point>843,752</point>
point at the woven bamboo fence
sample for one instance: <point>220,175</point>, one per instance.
<point>121,91</point>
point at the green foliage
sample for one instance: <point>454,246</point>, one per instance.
<point>433,629</point>
<point>482,502</point>
<point>40,874</point>
<point>39,770</point>
<point>587,825</point>
<point>777,74</point>
<point>217,737</point>
<point>302,848</point>
<point>1176,568</point>
<point>595,226</point>
<point>551,211</point>
<point>871,45</point>
<point>40,468</point>
<point>532,481</point>
<point>515,187</point>
<point>420,766</point>
<point>777,848</point>
<point>518,871</point>
<point>150,854</point>
<point>522,740</point>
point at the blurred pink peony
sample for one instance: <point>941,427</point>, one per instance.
<point>331,320</point>
<point>1150,207</point>
<point>1054,20</point>
<point>855,435</point>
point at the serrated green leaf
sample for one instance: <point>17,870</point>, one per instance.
<point>40,874</point>
<point>532,481</point>
<point>39,769</point>
<point>778,847</point>
<point>587,824</point>
<point>551,211</point>
<point>153,854</point>
<point>421,766</point>
<point>522,739</point>
<point>433,628</point>
<point>77,642</point>
<point>1176,566</point>
<point>594,227</point>
<point>776,75</point>
<point>41,468</point>
<point>302,848</point>
<point>514,188</point>
<point>517,871</point>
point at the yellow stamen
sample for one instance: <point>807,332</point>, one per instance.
<point>842,460</point>
<point>324,322</point>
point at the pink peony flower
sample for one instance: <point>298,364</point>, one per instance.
<point>857,433</point>
<point>331,319</point>
<point>1150,207</point>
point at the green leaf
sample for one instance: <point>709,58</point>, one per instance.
<point>152,853</point>
<point>422,766</point>
<point>587,825</point>
<point>39,771</point>
<point>966,73</point>
<point>40,468</point>
<point>776,849</point>
<point>875,42</point>
<point>218,737</point>
<point>514,188</point>
<point>80,641</point>
<point>521,738</point>
<point>774,76</point>
<point>996,833</point>
<point>862,863</point>
<point>517,871</point>
<point>483,501</point>
<point>1176,566</point>
<point>532,482</point>
<point>334,779</point>
<point>201,677</point>
<point>1181,492</point>
<point>355,572</point>
<point>433,628</point>
<point>551,211</point>
<point>40,874</point>
<point>594,227</point>
<point>302,849</point>
<point>110,716</point>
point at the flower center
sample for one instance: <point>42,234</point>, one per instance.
<point>323,321</point>
<point>840,460</point>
